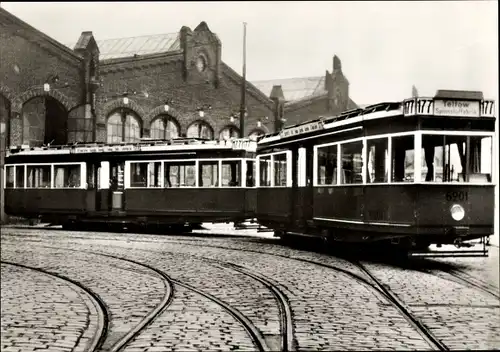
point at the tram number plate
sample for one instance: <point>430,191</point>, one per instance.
<point>457,196</point>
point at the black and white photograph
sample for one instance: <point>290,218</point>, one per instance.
<point>269,176</point>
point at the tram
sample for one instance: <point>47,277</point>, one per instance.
<point>174,183</point>
<point>414,173</point>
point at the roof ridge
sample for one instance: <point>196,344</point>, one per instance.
<point>286,79</point>
<point>139,36</point>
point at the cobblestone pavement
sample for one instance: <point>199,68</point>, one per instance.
<point>42,312</point>
<point>331,310</point>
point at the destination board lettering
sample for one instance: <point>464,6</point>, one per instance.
<point>243,144</point>
<point>306,128</point>
<point>128,148</point>
<point>456,108</point>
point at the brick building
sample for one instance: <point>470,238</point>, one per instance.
<point>306,98</point>
<point>122,90</point>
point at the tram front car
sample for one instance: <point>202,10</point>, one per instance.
<point>413,173</point>
<point>454,193</point>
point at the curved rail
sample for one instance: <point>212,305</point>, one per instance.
<point>487,288</point>
<point>251,329</point>
<point>373,283</point>
<point>148,319</point>
<point>103,317</point>
<point>414,321</point>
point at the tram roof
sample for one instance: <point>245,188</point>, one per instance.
<point>145,145</point>
<point>446,103</point>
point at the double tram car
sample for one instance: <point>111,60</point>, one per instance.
<point>413,173</point>
<point>170,184</point>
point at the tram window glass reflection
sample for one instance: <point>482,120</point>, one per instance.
<point>20,176</point>
<point>250,173</point>
<point>180,174</point>
<point>327,165</point>
<point>138,174</point>
<point>38,176</point>
<point>403,158</point>
<point>231,171</point>
<point>209,173</point>
<point>265,171</point>
<point>377,159</point>
<point>67,176</point>
<point>9,181</point>
<point>280,167</point>
<point>352,162</point>
<point>154,174</point>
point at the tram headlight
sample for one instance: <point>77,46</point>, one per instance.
<point>457,212</point>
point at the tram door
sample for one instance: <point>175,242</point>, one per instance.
<point>302,191</point>
<point>93,186</point>
<point>116,186</point>
<point>110,185</point>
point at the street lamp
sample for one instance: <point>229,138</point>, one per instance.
<point>201,110</point>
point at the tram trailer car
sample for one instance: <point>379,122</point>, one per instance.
<point>164,183</point>
<point>353,177</point>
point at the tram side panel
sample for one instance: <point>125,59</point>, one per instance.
<point>274,205</point>
<point>34,202</point>
<point>190,204</point>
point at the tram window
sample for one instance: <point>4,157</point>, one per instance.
<point>67,176</point>
<point>403,157</point>
<point>432,160</point>
<point>250,173</point>
<point>154,172</point>
<point>352,162</point>
<point>231,171</point>
<point>265,171</point>
<point>378,153</point>
<point>481,159</point>
<point>138,174</point>
<point>180,174</point>
<point>19,176</point>
<point>9,182</point>
<point>444,158</point>
<point>209,173</point>
<point>327,165</point>
<point>38,176</point>
<point>279,161</point>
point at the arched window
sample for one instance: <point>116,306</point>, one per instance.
<point>229,132</point>
<point>255,133</point>
<point>123,126</point>
<point>164,128</point>
<point>200,129</point>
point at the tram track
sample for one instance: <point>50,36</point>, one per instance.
<point>255,334</point>
<point>368,279</point>
<point>372,282</point>
<point>474,282</point>
<point>258,338</point>
<point>99,338</point>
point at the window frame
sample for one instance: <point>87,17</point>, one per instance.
<point>288,161</point>
<point>83,175</point>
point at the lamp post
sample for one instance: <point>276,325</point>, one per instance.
<point>243,85</point>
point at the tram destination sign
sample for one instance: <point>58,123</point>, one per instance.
<point>305,128</point>
<point>461,108</point>
<point>107,149</point>
<point>245,144</point>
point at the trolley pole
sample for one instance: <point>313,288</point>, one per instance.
<point>243,85</point>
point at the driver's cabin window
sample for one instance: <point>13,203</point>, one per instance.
<point>445,158</point>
